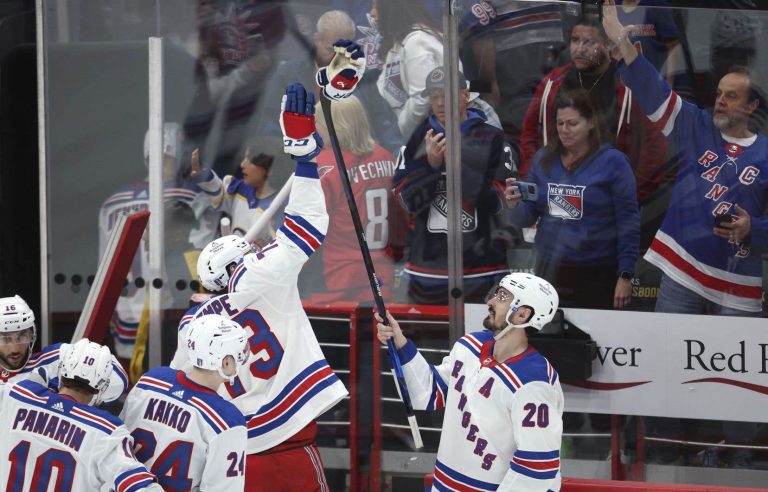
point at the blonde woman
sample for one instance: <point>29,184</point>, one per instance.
<point>370,168</point>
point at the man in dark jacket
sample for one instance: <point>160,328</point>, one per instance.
<point>420,185</point>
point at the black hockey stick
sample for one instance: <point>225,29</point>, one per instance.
<point>394,359</point>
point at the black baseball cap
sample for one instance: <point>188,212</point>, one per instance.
<point>436,80</point>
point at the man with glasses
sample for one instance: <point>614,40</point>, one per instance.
<point>503,402</point>
<point>487,160</point>
<point>17,362</point>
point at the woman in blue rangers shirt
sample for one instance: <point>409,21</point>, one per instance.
<point>588,234</point>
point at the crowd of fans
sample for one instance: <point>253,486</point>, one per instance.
<point>548,99</point>
<point>533,76</point>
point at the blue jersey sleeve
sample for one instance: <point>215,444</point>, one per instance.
<point>665,108</point>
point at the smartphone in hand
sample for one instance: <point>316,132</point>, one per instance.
<point>529,191</point>
<point>721,219</point>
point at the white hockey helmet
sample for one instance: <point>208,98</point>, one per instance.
<point>173,141</point>
<point>534,292</point>
<point>89,363</point>
<point>211,338</point>
<point>216,257</point>
<point>15,315</point>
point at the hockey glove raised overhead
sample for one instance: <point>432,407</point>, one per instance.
<point>339,79</point>
<point>297,120</point>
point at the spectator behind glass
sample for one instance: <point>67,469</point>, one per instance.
<point>413,46</point>
<point>655,33</point>
<point>588,235</point>
<point>593,70</point>
<point>135,198</point>
<point>420,185</point>
<point>237,40</point>
<point>244,199</point>
<point>528,39</point>
<point>723,170</point>
<point>475,31</point>
<point>477,48</point>
<point>331,26</point>
<point>370,168</point>
<point>707,268</point>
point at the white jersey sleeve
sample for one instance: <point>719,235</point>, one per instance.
<point>306,221</point>
<point>427,384</point>
<point>225,469</point>
<point>537,416</point>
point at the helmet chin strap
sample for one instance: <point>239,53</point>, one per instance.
<point>510,326</point>
<point>229,379</point>
<point>96,400</point>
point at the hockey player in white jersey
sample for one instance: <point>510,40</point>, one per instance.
<point>185,433</point>
<point>503,403</point>
<point>287,383</point>
<point>17,362</point>
<point>59,441</point>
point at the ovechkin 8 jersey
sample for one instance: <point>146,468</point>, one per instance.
<point>503,420</point>
<point>50,441</point>
<point>185,433</point>
<point>286,383</point>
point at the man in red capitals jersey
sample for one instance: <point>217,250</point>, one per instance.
<point>286,383</point>
<point>503,402</point>
<point>370,168</point>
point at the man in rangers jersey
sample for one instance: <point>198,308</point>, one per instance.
<point>60,441</point>
<point>287,382</point>
<point>186,434</point>
<point>420,184</point>
<point>503,402</point>
<point>17,362</point>
<point>135,198</point>
<point>708,266</point>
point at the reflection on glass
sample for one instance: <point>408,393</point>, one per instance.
<point>227,65</point>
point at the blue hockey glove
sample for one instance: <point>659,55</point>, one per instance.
<point>297,121</point>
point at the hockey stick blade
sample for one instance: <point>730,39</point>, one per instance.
<point>412,423</point>
<point>394,359</point>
